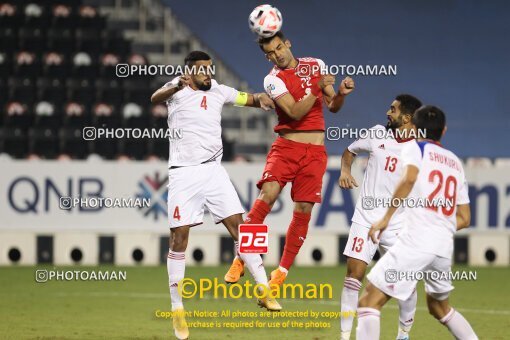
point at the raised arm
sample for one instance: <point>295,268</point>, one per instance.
<point>166,92</point>
<point>335,100</point>
<point>297,110</point>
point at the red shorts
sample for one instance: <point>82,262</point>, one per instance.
<point>302,164</point>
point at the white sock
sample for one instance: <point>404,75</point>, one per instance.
<point>254,264</point>
<point>369,324</point>
<point>407,310</point>
<point>349,304</point>
<point>458,326</point>
<point>175,265</point>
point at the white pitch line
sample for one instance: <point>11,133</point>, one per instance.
<point>207,297</point>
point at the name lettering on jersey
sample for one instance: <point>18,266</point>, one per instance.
<point>442,159</point>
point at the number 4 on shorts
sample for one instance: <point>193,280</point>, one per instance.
<point>177,214</point>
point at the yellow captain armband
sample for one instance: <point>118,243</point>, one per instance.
<point>241,99</point>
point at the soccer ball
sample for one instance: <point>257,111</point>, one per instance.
<point>265,20</point>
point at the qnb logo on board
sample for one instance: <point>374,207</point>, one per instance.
<point>155,189</point>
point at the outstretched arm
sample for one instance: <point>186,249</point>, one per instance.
<point>261,100</point>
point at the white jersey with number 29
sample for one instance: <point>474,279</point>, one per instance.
<point>441,179</point>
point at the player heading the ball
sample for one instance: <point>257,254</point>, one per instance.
<point>298,155</point>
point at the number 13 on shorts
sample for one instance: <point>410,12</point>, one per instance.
<point>357,244</point>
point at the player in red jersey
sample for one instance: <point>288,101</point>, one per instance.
<point>298,154</point>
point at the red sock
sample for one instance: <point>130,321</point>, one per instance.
<point>296,235</point>
<point>258,212</point>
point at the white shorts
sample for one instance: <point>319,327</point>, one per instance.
<point>191,188</point>
<point>390,273</point>
<point>360,247</point>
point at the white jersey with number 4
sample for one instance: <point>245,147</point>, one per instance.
<point>197,114</point>
<point>441,178</point>
<point>382,175</point>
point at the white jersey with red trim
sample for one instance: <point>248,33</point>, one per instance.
<point>196,115</point>
<point>440,179</point>
<point>383,172</point>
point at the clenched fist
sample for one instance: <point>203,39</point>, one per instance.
<point>346,86</point>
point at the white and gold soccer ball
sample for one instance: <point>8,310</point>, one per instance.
<point>265,20</point>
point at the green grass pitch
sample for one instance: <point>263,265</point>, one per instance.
<point>126,309</point>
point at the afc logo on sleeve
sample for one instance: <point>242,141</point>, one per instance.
<point>270,88</point>
<point>253,238</point>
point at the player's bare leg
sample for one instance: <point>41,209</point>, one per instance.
<point>261,208</point>
<point>369,313</point>
<point>453,320</point>
<point>350,293</point>
<point>176,267</point>
<point>296,235</point>
<point>252,261</point>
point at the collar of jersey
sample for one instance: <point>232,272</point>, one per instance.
<point>426,140</point>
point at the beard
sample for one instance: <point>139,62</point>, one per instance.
<point>393,125</point>
<point>204,87</point>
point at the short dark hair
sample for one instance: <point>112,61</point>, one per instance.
<point>194,56</point>
<point>262,40</point>
<point>430,119</point>
<point>408,104</point>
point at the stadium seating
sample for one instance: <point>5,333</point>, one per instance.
<point>61,56</point>
<point>57,70</point>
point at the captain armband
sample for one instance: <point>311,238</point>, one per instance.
<point>241,99</point>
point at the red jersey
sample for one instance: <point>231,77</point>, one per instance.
<point>298,82</point>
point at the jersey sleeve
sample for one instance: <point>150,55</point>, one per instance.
<point>463,192</point>
<point>275,87</point>
<point>363,144</point>
<point>172,82</point>
<point>360,145</point>
<point>411,155</point>
<point>229,93</point>
<point>322,66</point>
